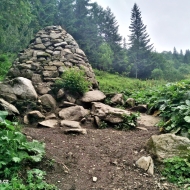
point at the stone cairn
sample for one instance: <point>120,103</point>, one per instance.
<point>47,56</point>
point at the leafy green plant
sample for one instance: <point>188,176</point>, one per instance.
<point>103,125</point>
<point>35,179</point>
<point>177,170</point>
<point>74,81</point>
<point>129,122</point>
<point>173,102</point>
<point>15,152</point>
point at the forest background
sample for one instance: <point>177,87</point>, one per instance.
<point>96,31</point>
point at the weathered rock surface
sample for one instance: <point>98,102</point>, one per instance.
<point>74,113</point>
<point>48,102</point>
<point>117,99</point>
<point>51,123</point>
<point>7,93</point>
<point>24,89</point>
<point>6,106</point>
<point>146,163</point>
<point>168,145</point>
<point>108,113</point>
<point>130,102</point>
<point>93,96</point>
<point>70,124</point>
<point>35,116</point>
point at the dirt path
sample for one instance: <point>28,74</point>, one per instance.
<point>108,156</point>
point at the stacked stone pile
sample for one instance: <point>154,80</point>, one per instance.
<point>46,58</point>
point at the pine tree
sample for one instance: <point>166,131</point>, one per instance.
<point>65,15</point>
<point>86,33</point>
<point>15,17</point>
<point>139,47</point>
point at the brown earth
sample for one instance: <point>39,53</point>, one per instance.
<point>107,155</point>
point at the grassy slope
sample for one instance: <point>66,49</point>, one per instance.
<point>115,83</point>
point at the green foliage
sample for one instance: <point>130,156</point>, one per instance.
<point>105,56</point>
<point>103,125</point>
<point>114,83</point>
<point>157,74</point>
<point>15,152</point>
<point>74,81</point>
<point>129,122</point>
<point>173,102</point>
<point>34,180</point>
<point>139,50</point>
<point>14,21</point>
<point>5,64</point>
<point>177,170</point>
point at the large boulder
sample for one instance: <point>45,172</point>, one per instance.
<point>108,113</point>
<point>74,113</point>
<point>23,88</point>
<point>167,146</point>
<point>93,96</point>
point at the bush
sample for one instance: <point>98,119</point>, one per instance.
<point>74,81</point>
<point>157,74</point>
<point>177,170</point>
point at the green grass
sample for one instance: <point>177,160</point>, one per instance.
<point>115,83</point>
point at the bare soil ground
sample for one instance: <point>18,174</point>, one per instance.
<point>106,155</point>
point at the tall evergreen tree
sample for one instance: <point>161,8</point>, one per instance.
<point>65,15</point>
<point>15,17</point>
<point>139,47</point>
<point>87,33</point>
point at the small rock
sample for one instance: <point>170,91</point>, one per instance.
<point>51,123</point>
<point>146,163</point>
<point>94,179</point>
<point>70,124</point>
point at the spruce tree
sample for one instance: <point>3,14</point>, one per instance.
<point>139,47</point>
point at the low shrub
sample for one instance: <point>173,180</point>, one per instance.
<point>74,81</point>
<point>177,170</point>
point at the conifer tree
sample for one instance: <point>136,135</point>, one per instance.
<point>139,47</point>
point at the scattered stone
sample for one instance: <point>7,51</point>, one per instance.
<point>108,113</point>
<point>93,96</point>
<point>51,116</point>
<point>70,124</point>
<point>146,163</point>
<point>142,128</point>
<point>35,116</point>
<point>6,106</point>
<point>117,99</point>
<point>94,179</point>
<point>65,104</point>
<point>60,93</point>
<point>51,123</point>
<point>74,113</point>
<point>48,102</point>
<point>130,102</point>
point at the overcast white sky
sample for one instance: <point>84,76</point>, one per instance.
<point>167,21</point>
